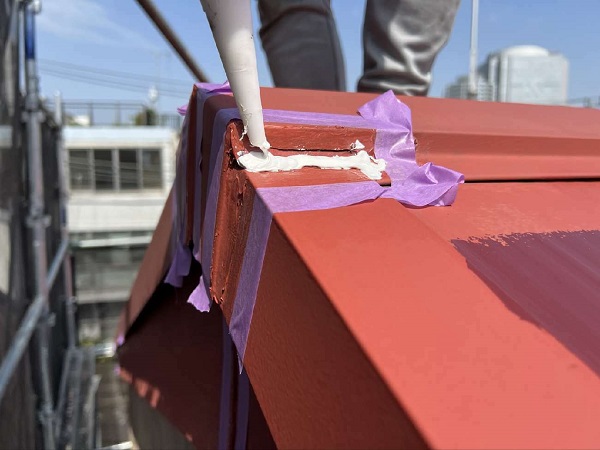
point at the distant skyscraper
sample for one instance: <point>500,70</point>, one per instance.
<point>521,74</point>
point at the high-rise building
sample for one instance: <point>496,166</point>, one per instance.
<point>520,74</point>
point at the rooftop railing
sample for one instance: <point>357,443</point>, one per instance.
<point>90,113</point>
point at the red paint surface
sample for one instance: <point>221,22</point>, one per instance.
<point>379,332</point>
<point>550,279</point>
<point>234,213</point>
<point>468,371</point>
<point>173,359</point>
<point>488,209</point>
<point>462,381</point>
<point>305,137</point>
<point>483,140</point>
<point>152,270</point>
<point>316,385</point>
<point>165,359</point>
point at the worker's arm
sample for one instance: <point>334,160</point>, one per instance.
<point>231,24</point>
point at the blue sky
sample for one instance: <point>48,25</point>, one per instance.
<point>116,35</point>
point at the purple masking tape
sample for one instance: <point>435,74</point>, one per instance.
<point>206,89</point>
<point>391,118</point>
<point>222,118</point>
<point>254,254</point>
<point>199,297</point>
<point>180,264</point>
<point>215,88</point>
<point>203,253</point>
<point>197,212</point>
<point>179,250</point>
<point>320,196</point>
<point>323,119</point>
<point>209,223</point>
<point>449,196</point>
<point>425,185</point>
<point>394,140</point>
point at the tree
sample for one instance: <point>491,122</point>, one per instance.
<point>146,116</point>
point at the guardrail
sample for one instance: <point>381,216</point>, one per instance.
<point>89,113</point>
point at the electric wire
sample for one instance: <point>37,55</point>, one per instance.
<point>122,85</point>
<point>111,72</point>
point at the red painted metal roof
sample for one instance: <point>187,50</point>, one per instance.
<point>468,326</point>
<point>468,370</point>
<point>483,140</point>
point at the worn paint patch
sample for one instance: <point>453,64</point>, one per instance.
<point>549,279</point>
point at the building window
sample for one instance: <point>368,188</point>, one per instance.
<point>79,167</point>
<point>151,174</point>
<point>103,170</point>
<point>106,273</point>
<point>115,169</point>
<point>128,169</point>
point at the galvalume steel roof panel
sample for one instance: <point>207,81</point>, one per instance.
<point>467,326</point>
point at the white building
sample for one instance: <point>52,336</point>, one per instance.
<point>520,74</point>
<point>460,89</point>
<point>119,179</point>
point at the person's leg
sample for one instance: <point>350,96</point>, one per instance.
<point>301,43</point>
<point>401,39</point>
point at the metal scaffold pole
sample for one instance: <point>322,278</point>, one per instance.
<point>38,222</point>
<point>64,230</point>
<point>34,332</point>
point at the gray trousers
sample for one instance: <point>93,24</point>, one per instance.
<point>401,39</point>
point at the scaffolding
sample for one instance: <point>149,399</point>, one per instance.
<point>47,380</point>
<point>44,374</point>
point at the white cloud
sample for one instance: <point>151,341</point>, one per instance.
<point>87,20</point>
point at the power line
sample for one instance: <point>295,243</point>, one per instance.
<point>103,79</point>
<point>112,73</point>
<point>115,84</point>
<point>168,33</point>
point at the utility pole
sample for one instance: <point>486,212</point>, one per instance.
<point>473,82</point>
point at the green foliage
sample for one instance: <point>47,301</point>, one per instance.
<point>147,116</point>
